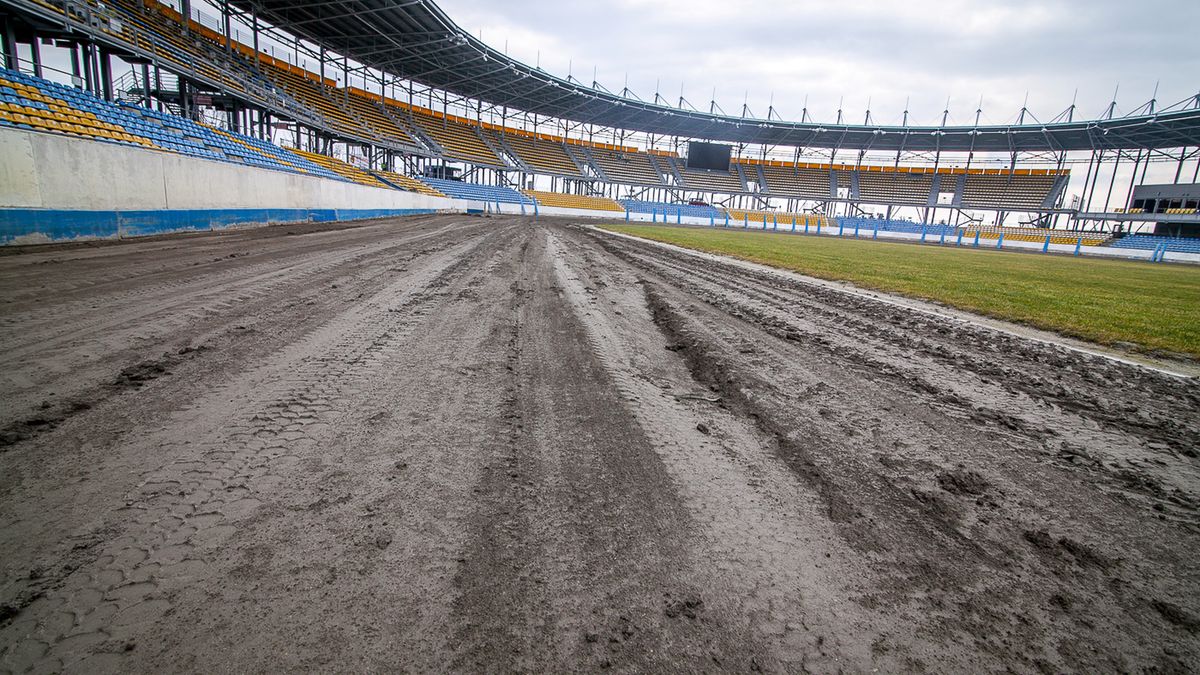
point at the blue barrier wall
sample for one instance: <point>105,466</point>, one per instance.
<point>62,225</point>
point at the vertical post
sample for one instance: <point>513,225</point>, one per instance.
<point>228,28</point>
<point>959,241</point>
<point>726,219</point>
<point>818,226</point>
<point>106,81</point>
<point>89,82</point>
<point>627,215</point>
<point>146,85</point>
<point>10,45</point>
<point>942,239</point>
<point>1000,241</point>
<point>976,244</point>
<point>654,215</point>
<point>1078,245</point>
<point>922,233</point>
<point>841,227</point>
<point>679,216</point>
<point>774,222</point>
<point>793,224</point>
<point>1046,246</point>
<point>74,63</point>
<point>745,221</point>
<point>35,50</point>
<point>185,9</point>
<point>875,232</point>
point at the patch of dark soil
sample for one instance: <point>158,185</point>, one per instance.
<point>1066,548</point>
<point>137,375</point>
<point>47,419</point>
<point>937,506</point>
<point>50,415</point>
<point>689,606</point>
<point>1177,615</point>
<point>963,482</point>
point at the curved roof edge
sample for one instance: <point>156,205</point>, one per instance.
<point>416,40</point>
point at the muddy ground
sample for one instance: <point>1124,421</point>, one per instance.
<point>453,443</point>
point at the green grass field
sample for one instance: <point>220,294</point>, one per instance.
<point>1153,306</point>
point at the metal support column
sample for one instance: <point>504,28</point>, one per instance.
<point>10,44</point>
<point>146,85</point>
<point>35,50</point>
<point>106,80</point>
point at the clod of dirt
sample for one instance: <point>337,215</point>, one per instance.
<point>7,613</point>
<point>675,347</point>
<point>703,428</point>
<point>136,376</point>
<point>960,482</point>
<point>690,607</point>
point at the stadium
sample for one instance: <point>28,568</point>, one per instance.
<point>337,338</point>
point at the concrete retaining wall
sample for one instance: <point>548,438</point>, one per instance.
<point>57,187</point>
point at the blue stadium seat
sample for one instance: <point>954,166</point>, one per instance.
<point>1151,242</point>
<point>671,210</point>
<point>477,192</point>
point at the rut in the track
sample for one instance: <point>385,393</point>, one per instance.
<point>1083,410</point>
<point>580,550</point>
<point>951,508</point>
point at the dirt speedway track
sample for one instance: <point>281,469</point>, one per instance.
<point>452,443</point>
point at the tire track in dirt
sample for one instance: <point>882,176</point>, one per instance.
<point>578,545</point>
<point>194,503</point>
<point>1046,567</point>
<point>1063,403</point>
<point>195,314</point>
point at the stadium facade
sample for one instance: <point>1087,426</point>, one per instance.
<point>395,95</point>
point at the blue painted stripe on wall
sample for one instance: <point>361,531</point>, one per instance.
<point>59,225</point>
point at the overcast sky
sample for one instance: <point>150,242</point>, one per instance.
<point>882,51</point>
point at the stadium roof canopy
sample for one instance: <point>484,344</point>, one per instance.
<point>416,40</point>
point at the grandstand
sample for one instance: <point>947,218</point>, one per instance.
<point>211,88</point>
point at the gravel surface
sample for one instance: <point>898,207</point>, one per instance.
<point>497,444</point>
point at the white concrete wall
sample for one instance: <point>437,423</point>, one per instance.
<point>49,171</point>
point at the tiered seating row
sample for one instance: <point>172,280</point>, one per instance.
<point>25,105</point>
<point>1015,192</point>
<point>347,171</point>
<point>771,218</point>
<point>458,140</point>
<point>895,188</point>
<point>627,167</point>
<point>574,201</point>
<point>671,210</point>
<point>407,183</point>
<point>475,192</point>
<point>1036,235</point>
<point>1151,242</point>
<point>541,155</point>
<point>711,181</point>
<point>796,182</point>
